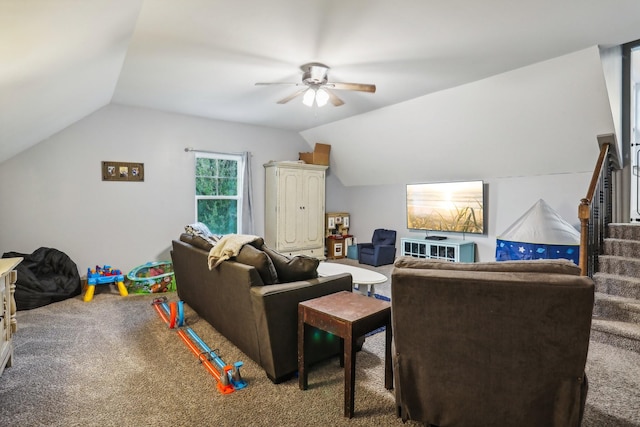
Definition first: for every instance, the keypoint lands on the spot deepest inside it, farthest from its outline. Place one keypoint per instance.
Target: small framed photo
(331, 222)
(122, 171)
(345, 221)
(338, 220)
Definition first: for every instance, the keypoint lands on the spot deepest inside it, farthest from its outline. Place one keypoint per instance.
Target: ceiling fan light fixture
(322, 97)
(309, 97)
(316, 87)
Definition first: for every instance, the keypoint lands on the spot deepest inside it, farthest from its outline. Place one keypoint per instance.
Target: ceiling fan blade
(293, 95)
(362, 87)
(334, 98)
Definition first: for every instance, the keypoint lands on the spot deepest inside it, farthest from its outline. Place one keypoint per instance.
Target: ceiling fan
(317, 88)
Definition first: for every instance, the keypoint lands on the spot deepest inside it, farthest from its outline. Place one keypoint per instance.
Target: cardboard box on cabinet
(319, 156)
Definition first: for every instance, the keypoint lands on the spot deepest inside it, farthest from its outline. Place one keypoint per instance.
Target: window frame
(239, 184)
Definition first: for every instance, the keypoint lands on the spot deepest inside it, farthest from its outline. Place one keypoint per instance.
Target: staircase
(616, 313)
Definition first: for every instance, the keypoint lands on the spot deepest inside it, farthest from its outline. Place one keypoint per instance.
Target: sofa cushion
(249, 255)
(291, 269)
(558, 266)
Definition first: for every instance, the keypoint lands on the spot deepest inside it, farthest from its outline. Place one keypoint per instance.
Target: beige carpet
(113, 362)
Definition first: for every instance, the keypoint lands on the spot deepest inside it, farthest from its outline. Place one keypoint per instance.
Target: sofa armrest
(301, 289)
(275, 308)
(557, 266)
(385, 249)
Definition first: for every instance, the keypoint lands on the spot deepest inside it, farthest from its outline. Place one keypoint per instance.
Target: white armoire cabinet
(294, 208)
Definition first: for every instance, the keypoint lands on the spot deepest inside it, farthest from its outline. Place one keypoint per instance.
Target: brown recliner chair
(491, 344)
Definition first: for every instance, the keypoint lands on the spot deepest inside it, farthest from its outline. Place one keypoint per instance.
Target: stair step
(622, 266)
(624, 231)
(614, 284)
(620, 334)
(617, 308)
(622, 247)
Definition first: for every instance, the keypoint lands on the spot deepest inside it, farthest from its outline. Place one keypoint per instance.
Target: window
(219, 192)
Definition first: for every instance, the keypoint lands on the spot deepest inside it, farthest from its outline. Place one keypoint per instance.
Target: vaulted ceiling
(61, 60)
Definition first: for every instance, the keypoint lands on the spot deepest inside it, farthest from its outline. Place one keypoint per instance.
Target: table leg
(349, 375)
(88, 295)
(372, 291)
(302, 369)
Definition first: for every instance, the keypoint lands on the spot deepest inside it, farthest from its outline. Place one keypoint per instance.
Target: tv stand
(436, 238)
(451, 249)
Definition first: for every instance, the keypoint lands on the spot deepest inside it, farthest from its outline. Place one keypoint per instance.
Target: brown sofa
(261, 320)
(491, 344)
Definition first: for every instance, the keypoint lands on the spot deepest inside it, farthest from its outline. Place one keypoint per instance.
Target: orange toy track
(223, 388)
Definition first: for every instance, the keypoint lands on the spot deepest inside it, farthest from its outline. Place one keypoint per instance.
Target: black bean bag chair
(45, 276)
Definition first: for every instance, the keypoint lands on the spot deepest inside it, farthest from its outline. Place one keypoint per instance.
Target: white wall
(507, 199)
(611, 58)
(529, 134)
(537, 120)
(53, 194)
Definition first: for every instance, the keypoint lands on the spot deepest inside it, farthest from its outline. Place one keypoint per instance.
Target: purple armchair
(381, 250)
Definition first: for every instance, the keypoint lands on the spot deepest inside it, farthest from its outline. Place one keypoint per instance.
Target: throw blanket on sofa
(229, 246)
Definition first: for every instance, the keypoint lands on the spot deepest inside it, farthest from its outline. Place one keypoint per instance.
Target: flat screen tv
(456, 207)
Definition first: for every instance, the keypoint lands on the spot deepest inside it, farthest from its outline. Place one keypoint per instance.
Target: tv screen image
(446, 206)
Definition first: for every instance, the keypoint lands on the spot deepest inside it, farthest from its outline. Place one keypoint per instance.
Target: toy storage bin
(152, 277)
(352, 252)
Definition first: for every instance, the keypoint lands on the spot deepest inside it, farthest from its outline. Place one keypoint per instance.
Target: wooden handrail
(584, 212)
(584, 209)
(604, 152)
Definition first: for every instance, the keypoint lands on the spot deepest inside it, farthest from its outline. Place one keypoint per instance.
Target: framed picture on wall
(122, 171)
(331, 222)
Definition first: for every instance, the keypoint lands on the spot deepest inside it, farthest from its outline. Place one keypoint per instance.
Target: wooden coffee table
(347, 315)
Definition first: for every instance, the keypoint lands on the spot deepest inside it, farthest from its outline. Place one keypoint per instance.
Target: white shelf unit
(453, 250)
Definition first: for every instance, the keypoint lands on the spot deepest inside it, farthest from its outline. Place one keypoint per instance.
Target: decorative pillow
(292, 269)
(200, 230)
(197, 241)
(558, 266)
(258, 243)
(249, 255)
